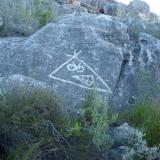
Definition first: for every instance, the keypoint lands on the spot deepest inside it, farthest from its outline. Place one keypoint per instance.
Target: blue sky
(154, 5)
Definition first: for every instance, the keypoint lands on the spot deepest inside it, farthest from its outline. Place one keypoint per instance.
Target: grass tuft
(146, 117)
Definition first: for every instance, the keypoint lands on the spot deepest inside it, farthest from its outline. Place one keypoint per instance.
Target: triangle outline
(51, 75)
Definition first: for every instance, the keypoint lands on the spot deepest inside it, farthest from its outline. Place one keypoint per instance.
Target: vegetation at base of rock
(44, 16)
(35, 125)
(146, 84)
(146, 117)
(97, 119)
(22, 18)
(149, 28)
(140, 151)
(30, 123)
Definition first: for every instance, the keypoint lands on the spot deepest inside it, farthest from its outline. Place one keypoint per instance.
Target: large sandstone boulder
(140, 9)
(24, 17)
(108, 7)
(115, 9)
(16, 17)
(72, 55)
(136, 26)
(1, 22)
(141, 80)
(122, 135)
(80, 50)
(139, 6)
(149, 69)
(11, 83)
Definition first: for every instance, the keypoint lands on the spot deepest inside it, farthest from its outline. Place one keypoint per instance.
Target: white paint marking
(82, 86)
(86, 79)
(73, 67)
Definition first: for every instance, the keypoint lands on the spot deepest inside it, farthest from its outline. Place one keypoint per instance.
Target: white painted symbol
(73, 67)
(86, 79)
(80, 74)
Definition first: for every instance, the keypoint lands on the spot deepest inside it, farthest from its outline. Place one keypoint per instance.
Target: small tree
(97, 119)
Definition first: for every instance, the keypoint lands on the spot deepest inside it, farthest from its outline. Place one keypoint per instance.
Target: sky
(154, 5)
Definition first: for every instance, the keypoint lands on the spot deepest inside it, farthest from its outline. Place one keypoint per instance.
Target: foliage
(27, 19)
(24, 18)
(146, 86)
(46, 15)
(140, 150)
(96, 117)
(30, 121)
(146, 117)
(74, 130)
(37, 126)
(149, 28)
(157, 34)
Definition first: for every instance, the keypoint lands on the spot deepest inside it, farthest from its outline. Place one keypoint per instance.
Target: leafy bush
(30, 121)
(147, 88)
(46, 15)
(97, 120)
(35, 125)
(149, 28)
(145, 116)
(140, 150)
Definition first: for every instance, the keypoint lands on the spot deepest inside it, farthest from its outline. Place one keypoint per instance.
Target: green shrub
(44, 18)
(46, 15)
(37, 126)
(96, 118)
(140, 151)
(147, 88)
(31, 121)
(146, 117)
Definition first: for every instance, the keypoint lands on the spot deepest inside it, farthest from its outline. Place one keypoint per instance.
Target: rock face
(108, 7)
(17, 17)
(80, 50)
(27, 16)
(23, 18)
(1, 22)
(139, 6)
(122, 135)
(149, 66)
(71, 55)
(10, 83)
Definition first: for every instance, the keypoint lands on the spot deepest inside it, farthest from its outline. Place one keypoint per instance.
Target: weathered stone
(11, 83)
(96, 4)
(141, 80)
(139, 10)
(118, 153)
(27, 16)
(149, 69)
(17, 16)
(150, 50)
(61, 10)
(1, 22)
(71, 55)
(105, 50)
(115, 9)
(122, 135)
(136, 26)
(139, 6)
(108, 7)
